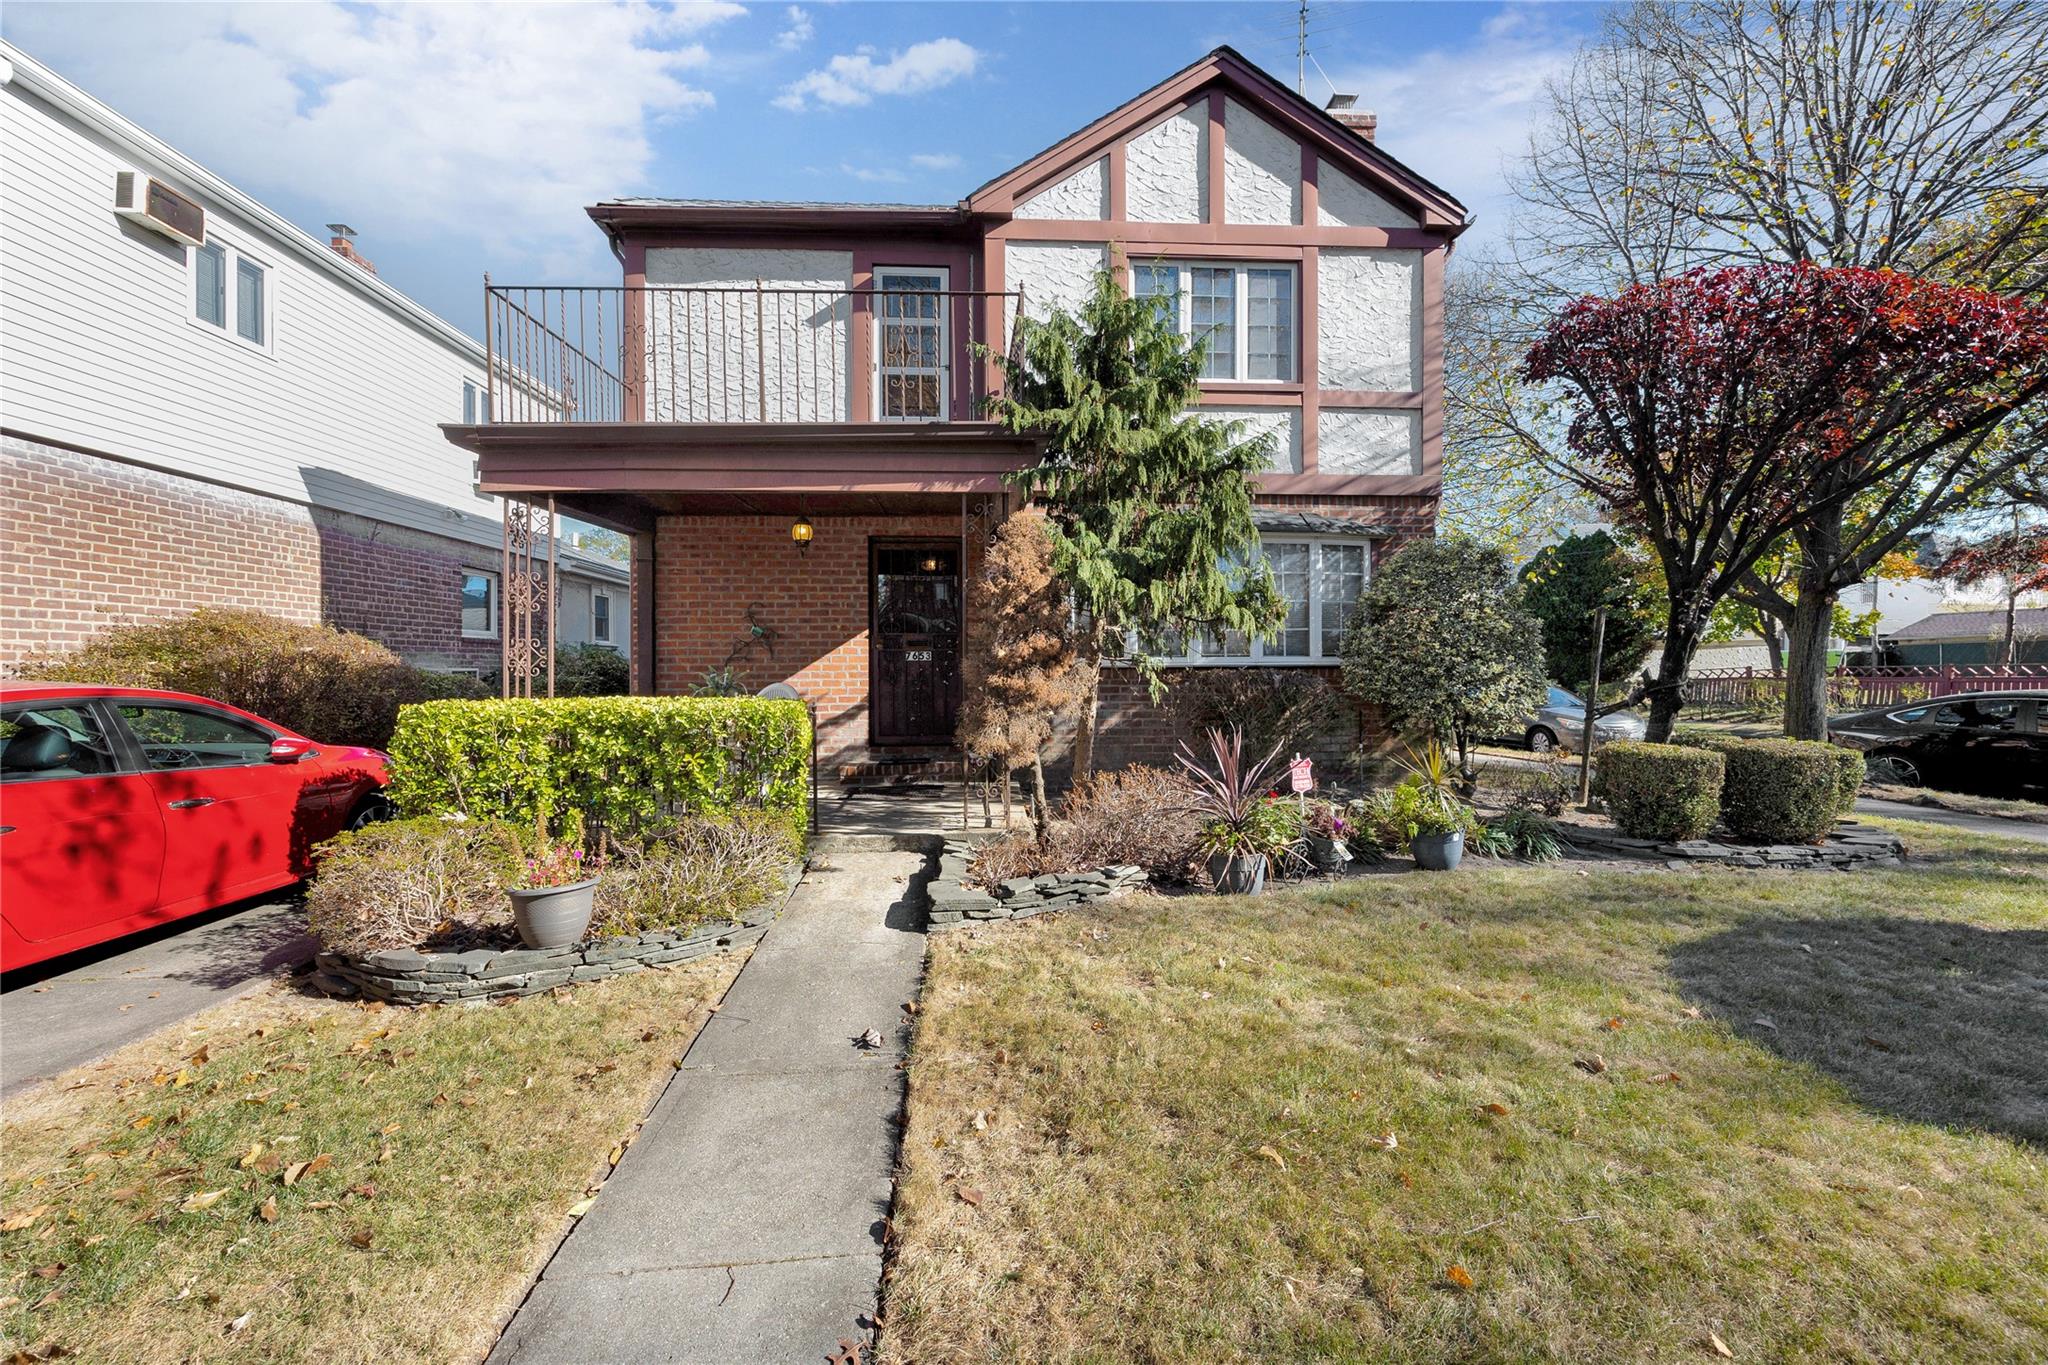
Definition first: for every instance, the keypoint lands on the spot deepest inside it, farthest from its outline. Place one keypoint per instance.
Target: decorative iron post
(527, 595)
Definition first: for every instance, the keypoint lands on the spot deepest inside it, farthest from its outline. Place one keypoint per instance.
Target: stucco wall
(1051, 274)
(1083, 195)
(1283, 424)
(1343, 201)
(1261, 170)
(1368, 441)
(1166, 169)
(1369, 319)
(727, 357)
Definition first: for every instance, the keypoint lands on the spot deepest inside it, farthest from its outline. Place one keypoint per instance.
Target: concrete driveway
(57, 1015)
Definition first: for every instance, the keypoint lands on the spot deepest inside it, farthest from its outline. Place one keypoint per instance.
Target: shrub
(1851, 768)
(1781, 790)
(322, 682)
(1659, 791)
(1548, 784)
(627, 764)
(1521, 834)
(1287, 709)
(696, 871)
(1411, 809)
(409, 883)
(591, 671)
(1139, 815)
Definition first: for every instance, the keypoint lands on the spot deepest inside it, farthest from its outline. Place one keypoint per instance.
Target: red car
(122, 808)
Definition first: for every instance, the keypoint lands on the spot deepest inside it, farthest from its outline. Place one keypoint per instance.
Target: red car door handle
(192, 802)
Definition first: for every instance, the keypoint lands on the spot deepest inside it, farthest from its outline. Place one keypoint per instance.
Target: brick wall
(710, 569)
(87, 543)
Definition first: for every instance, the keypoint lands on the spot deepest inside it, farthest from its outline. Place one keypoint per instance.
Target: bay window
(1245, 312)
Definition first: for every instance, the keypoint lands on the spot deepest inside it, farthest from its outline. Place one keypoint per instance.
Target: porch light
(801, 532)
(930, 564)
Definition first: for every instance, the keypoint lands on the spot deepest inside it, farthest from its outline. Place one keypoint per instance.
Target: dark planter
(1238, 874)
(1438, 852)
(1327, 855)
(553, 916)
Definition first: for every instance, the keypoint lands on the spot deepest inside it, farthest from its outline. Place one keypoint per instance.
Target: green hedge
(1659, 791)
(623, 763)
(1783, 790)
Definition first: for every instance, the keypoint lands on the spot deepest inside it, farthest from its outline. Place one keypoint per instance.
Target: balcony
(763, 354)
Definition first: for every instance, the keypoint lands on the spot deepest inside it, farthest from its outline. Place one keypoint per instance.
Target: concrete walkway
(746, 1223)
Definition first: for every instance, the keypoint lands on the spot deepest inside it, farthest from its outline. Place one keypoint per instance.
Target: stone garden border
(1848, 848)
(949, 901)
(407, 977)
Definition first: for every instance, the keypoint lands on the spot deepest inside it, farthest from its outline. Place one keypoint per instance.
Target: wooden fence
(1854, 689)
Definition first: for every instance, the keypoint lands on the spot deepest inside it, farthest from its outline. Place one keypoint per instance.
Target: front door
(914, 630)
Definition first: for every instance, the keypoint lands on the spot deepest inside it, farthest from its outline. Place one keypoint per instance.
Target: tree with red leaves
(1719, 411)
(2016, 559)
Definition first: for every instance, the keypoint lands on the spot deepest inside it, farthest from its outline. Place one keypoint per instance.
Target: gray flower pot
(1438, 852)
(1238, 874)
(553, 916)
(1327, 855)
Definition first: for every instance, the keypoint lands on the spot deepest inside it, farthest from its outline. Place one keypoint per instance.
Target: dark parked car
(1990, 743)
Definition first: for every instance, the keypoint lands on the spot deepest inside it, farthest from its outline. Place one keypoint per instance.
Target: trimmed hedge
(1782, 791)
(1850, 770)
(625, 764)
(1659, 791)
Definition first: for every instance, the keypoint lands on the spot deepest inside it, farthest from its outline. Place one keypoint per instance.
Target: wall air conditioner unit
(158, 207)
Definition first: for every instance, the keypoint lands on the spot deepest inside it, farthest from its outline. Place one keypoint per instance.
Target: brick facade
(92, 543)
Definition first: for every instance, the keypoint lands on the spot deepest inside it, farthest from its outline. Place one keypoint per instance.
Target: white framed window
(1320, 579)
(231, 293)
(601, 617)
(911, 369)
(479, 605)
(1247, 311)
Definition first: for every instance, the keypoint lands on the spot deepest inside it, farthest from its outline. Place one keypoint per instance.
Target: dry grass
(1812, 1121)
(456, 1140)
(1999, 807)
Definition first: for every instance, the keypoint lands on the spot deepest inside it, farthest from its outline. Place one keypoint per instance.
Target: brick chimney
(343, 240)
(1344, 109)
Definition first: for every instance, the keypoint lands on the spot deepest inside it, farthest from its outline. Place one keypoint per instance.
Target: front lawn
(289, 1178)
(1503, 1114)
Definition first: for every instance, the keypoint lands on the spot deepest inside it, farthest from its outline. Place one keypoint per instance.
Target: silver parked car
(1561, 719)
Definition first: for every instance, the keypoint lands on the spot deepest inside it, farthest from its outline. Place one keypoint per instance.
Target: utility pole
(1592, 700)
(1301, 51)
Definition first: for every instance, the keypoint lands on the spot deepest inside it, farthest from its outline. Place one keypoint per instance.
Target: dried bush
(1139, 815)
(696, 871)
(1277, 708)
(409, 883)
(1547, 785)
(319, 681)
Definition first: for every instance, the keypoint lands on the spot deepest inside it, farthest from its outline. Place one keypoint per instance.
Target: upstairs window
(231, 293)
(210, 284)
(1246, 313)
(251, 322)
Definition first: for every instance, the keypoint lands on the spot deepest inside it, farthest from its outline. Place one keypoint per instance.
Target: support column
(641, 592)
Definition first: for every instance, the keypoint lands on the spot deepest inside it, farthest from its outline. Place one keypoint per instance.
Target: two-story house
(202, 405)
(782, 405)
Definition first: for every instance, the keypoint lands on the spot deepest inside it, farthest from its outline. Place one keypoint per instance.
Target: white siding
(1052, 274)
(1369, 319)
(1344, 201)
(1082, 195)
(711, 359)
(1261, 170)
(1282, 424)
(1166, 169)
(100, 350)
(1368, 441)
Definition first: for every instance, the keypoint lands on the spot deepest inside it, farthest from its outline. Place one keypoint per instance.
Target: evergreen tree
(1566, 583)
(1148, 505)
(1019, 672)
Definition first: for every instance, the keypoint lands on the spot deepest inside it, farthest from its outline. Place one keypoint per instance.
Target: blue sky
(461, 138)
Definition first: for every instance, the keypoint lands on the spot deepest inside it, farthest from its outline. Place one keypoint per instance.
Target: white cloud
(797, 29)
(873, 175)
(855, 78)
(935, 161)
(419, 122)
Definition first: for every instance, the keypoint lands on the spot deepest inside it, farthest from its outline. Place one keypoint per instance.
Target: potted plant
(1242, 830)
(551, 906)
(1424, 812)
(1329, 831)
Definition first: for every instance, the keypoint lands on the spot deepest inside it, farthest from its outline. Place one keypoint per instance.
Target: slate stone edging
(406, 977)
(1849, 847)
(949, 901)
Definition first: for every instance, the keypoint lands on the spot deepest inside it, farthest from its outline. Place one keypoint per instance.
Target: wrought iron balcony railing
(758, 353)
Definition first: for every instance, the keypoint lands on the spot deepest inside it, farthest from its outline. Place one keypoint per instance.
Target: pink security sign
(1301, 775)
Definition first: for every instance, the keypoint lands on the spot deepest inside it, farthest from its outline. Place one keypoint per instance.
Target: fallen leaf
(872, 1038)
(318, 1164)
(613, 1157)
(1497, 1109)
(580, 1207)
(267, 1210)
(294, 1171)
(910, 1007)
(323, 1204)
(388, 1129)
(1691, 1012)
(249, 1157)
(1719, 1347)
(968, 1196)
(25, 1218)
(1386, 1142)
(981, 1120)
(49, 1272)
(1273, 1156)
(1666, 1078)
(1002, 1055)
(1592, 1066)
(269, 1163)
(363, 1191)
(201, 1057)
(360, 1239)
(1880, 1044)
(1612, 1024)
(1762, 1021)
(384, 1153)
(239, 1323)
(1459, 1276)
(194, 1203)
(143, 1121)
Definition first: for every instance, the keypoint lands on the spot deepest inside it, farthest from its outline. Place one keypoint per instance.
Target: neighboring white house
(228, 411)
